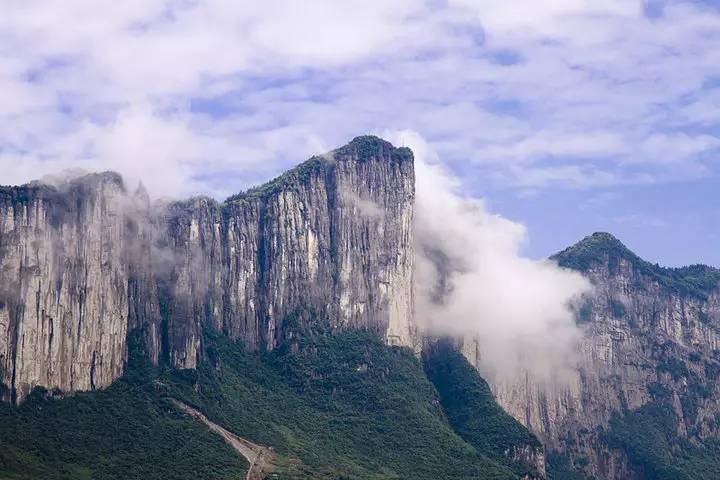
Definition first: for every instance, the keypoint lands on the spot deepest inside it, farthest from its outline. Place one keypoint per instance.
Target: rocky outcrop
(84, 263)
(650, 335)
(63, 285)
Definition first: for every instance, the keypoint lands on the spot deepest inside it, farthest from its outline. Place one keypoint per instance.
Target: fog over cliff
(472, 281)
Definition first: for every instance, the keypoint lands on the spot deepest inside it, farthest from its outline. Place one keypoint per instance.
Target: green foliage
(346, 405)
(712, 370)
(367, 147)
(288, 180)
(649, 438)
(695, 280)
(125, 432)
(23, 194)
(674, 366)
(658, 391)
(584, 313)
(560, 467)
(334, 406)
(471, 408)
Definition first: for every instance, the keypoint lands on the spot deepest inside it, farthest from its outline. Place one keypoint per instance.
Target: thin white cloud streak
(472, 283)
(560, 20)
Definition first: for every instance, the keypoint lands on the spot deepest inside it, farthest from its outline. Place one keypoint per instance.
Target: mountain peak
(362, 149)
(366, 147)
(604, 248)
(602, 237)
(594, 249)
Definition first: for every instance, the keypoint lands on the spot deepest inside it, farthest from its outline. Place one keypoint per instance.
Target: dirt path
(261, 459)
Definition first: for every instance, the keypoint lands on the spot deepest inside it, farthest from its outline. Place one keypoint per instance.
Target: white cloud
(473, 283)
(641, 220)
(574, 20)
(529, 148)
(592, 93)
(676, 148)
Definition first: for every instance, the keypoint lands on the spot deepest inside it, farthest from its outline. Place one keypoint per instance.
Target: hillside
(645, 403)
(332, 406)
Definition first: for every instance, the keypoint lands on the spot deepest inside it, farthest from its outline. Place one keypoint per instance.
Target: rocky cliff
(85, 262)
(85, 266)
(63, 285)
(651, 338)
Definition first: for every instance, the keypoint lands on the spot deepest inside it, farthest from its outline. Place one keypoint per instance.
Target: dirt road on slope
(261, 459)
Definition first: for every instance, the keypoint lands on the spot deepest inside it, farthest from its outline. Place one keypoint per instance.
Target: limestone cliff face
(333, 236)
(650, 335)
(85, 263)
(63, 286)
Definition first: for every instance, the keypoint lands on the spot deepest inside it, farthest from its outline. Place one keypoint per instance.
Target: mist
(472, 283)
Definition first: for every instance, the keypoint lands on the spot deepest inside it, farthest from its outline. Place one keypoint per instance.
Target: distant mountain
(695, 280)
(85, 262)
(646, 400)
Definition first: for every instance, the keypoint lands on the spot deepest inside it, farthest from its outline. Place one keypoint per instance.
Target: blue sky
(569, 116)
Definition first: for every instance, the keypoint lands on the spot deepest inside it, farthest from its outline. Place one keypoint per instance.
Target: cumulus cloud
(473, 283)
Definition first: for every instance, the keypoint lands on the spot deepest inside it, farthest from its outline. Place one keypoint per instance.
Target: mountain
(645, 403)
(85, 262)
(283, 318)
(283, 314)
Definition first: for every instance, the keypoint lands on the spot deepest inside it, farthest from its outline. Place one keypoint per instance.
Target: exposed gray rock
(63, 281)
(650, 334)
(82, 264)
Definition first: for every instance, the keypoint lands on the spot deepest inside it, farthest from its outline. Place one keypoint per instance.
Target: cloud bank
(472, 282)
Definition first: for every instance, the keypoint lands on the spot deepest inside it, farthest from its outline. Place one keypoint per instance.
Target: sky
(568, 116)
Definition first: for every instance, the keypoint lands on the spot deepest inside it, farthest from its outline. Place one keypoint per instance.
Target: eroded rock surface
(650, 335)
(85, 262)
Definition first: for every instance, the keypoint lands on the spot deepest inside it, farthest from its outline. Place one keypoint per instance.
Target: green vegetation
(617, 308)
(471, 409)
(584, 313)
(712, 370)
(649, 437)
(695, 280)
(560, 467)
(334, 406)
(125, 432)
(367, 147)
(674, 366)
(290, 179)
(346, 405)
(25, 193)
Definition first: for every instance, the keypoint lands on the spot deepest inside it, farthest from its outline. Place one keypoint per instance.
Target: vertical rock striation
(85, 263)
(651, 335)
(63, 285)
(332, 237)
